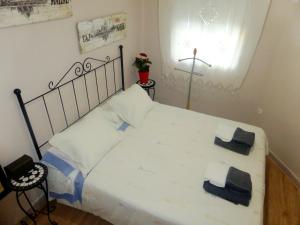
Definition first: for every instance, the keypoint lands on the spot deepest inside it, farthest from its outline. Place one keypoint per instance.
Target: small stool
(148, 86)
(32, 179)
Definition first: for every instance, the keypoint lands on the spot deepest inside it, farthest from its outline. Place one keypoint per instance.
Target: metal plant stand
(148, 86)
(35, 178)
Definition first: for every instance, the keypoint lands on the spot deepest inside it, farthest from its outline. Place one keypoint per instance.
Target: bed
(154, 175)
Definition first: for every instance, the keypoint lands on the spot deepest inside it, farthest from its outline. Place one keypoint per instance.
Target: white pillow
(132, 105)
(86, 142)
(110, 115)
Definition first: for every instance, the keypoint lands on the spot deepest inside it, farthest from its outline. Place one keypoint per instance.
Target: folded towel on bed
(225, 132)
(242, 141)
(227, 194)
(65, 173)
(239, 181)
(216, 174)
(238, 187)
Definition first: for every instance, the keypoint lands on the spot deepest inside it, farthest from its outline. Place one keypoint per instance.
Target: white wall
(33, 55)
(272, 82)
(280, 97)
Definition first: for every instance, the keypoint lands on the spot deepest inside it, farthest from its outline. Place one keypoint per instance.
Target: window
(225, 33)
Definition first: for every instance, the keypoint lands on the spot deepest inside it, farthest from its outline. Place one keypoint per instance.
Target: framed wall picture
(4, 190)
(101, 31)
(17, 12)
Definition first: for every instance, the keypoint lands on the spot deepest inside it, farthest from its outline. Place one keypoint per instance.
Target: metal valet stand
(192, 72)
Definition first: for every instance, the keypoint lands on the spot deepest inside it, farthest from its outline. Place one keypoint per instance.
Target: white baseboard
(286, 167)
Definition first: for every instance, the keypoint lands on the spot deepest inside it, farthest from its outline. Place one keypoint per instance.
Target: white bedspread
(155, 175)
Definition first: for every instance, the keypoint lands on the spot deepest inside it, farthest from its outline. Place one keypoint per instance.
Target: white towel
(225, 132)
(216, 173)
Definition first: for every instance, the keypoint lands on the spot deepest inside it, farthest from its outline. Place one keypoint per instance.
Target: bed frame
(80, 70)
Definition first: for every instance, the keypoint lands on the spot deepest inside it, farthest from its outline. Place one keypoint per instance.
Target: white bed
(154, 176)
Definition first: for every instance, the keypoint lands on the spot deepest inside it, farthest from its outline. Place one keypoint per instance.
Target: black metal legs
(153, 94)
(148, 92)
(30, 216)
(35, 213)
(153, 90)
(45, 190)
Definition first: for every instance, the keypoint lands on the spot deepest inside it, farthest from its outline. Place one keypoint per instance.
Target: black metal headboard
(81, 71)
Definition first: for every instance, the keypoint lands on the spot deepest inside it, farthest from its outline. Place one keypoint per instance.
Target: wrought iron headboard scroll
(80, 70)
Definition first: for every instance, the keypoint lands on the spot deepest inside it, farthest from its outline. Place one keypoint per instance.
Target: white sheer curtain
(225, 32)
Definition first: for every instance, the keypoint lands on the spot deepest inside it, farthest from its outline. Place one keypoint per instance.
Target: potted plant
(143, 63)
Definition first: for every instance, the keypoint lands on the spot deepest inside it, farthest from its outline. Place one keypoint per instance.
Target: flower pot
(144, 77)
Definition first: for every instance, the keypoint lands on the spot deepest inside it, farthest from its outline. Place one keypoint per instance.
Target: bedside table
(148, 86)
(32, 179)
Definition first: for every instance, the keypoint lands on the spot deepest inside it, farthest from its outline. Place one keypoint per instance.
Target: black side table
(148, 86)
(32, 179)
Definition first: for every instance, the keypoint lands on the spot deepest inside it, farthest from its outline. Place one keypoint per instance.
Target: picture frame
(4, 189)
(17, 12)
(102, 31)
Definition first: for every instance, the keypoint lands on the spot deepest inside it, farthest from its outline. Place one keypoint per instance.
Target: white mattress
(155, 175)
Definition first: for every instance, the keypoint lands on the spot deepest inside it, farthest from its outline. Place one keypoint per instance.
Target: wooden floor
(282, 203)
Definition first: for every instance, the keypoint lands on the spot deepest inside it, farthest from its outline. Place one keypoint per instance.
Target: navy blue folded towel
(241, 143)
(239, 181)
(238, 188)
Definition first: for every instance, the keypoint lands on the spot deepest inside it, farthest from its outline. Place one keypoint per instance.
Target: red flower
(143, 55)
(142, 62)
